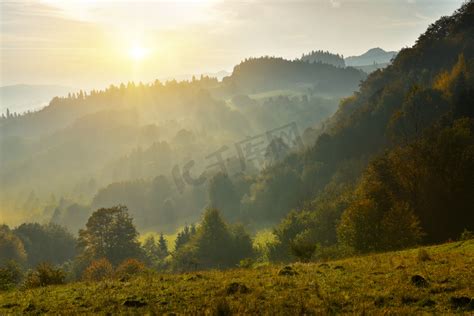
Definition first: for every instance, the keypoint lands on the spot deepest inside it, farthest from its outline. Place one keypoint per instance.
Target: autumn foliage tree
(111, 234)
(418, 192)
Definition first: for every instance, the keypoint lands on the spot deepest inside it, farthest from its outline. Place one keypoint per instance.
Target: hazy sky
(89, 43)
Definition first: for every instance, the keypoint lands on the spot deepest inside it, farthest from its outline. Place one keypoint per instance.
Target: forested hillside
(257, 74)
(112, 187)
(317, 185)
(130, 144)
(395, 164)
(23, 98)
(122, 145)
(324, 57)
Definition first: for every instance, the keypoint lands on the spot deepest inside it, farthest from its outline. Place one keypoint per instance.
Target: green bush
(303, 246)
(288, 245)
(246, 263)
(332, 252)
(45, 274)
(10, 275)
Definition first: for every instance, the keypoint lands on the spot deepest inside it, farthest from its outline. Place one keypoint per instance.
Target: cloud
(82, 40)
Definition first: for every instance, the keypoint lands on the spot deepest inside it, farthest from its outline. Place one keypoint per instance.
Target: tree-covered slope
(403, 141)
(269, 73)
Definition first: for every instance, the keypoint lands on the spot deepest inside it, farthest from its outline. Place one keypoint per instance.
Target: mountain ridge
(373, 56)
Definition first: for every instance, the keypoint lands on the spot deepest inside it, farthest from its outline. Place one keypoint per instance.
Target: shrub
(246, 263)
(98, 270)
(360, 226)
(333, 252)
(423, 255)
(367, 226)
(11, 247)
(288, 244)
(69, 270)
(45, 274)
(221, 307)
(303, 246)
(129, 268)
(400, 228)
(466, 235)
(10, 275)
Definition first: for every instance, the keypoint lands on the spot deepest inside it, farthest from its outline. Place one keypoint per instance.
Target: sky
(87, 44)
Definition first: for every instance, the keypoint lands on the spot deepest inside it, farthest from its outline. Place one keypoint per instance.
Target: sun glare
(137, 52)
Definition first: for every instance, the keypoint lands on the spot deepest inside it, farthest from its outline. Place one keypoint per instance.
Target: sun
(138, 52)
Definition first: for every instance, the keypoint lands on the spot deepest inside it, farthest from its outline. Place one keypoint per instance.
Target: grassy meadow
(428, 280)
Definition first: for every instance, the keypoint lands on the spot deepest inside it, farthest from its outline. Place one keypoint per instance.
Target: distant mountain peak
(374, 55)
(376, 50)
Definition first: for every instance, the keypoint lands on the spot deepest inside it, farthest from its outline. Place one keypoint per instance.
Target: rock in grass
(407, 299)
(427, 303)
(30, 308)
(442, 289)
(221, 307)
(462, 302)
(287, 271)
(134, 302)
(10, 305)
(236, 287)
(419, 281)
(194, 277)
(379, 301)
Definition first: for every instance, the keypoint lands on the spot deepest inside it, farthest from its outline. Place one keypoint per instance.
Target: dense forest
(124, 144)
(392, 167)
(325, 58)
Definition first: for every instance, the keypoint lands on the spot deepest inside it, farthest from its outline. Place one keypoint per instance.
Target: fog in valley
(217, 157)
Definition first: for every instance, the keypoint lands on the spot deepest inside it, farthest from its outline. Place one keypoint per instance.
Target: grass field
(438, 279)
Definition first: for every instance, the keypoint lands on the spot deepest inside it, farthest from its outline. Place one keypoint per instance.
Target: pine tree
(183, 237)
(163, 246)
(151, 248)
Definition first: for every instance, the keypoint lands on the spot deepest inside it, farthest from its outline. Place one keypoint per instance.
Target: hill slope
(372, 56)
(380, 283)
(427, 88)
(268, 73)
(21, 98)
